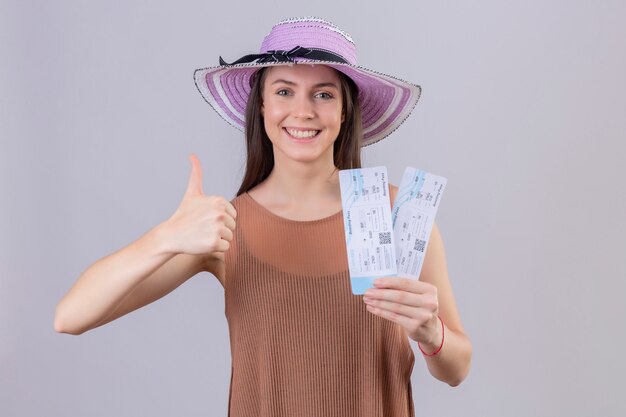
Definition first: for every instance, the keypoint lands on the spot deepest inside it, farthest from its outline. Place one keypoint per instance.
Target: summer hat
(385, 101)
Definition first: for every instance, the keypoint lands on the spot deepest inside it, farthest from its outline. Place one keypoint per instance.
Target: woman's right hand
(202, 225)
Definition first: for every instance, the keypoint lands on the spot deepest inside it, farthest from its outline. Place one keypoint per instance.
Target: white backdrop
(523, 110)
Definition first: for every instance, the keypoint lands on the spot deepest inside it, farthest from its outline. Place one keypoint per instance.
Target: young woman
(301, 342)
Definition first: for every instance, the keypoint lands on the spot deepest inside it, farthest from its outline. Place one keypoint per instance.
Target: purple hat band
(385, 101)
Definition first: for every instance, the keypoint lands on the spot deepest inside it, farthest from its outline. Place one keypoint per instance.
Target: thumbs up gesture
(202, 224)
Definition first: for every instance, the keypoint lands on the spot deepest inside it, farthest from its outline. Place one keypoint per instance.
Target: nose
(303, 107)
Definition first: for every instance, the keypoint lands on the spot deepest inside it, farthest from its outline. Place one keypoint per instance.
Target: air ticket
(368, 226)
(384, 242)
(413, 214)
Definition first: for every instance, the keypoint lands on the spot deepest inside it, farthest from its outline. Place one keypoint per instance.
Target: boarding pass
(413, 216)
(377, 239)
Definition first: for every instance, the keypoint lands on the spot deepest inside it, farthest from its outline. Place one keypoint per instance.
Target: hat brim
(385, 101)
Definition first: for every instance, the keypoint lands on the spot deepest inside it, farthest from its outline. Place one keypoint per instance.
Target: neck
(296, 183)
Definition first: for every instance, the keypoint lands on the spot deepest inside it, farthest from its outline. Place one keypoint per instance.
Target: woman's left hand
(408, 302)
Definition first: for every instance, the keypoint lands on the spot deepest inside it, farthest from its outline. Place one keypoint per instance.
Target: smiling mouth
(301, 134)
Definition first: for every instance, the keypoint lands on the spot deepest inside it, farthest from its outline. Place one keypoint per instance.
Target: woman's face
(302, 111)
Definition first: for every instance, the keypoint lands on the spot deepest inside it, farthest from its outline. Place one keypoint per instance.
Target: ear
(343, 116)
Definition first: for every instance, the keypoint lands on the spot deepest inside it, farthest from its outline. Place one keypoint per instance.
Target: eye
(324, 95)
(283, 92)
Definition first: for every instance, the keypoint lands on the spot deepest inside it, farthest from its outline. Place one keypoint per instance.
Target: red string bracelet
(443, 337)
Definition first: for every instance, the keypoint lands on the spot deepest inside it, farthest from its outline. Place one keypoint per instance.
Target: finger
(231, 209)
(396, 296)
(404, 321)
(226, 234)
(194, 186)
(406, 284)
(222, 246)
(402, 309)
(229, 222)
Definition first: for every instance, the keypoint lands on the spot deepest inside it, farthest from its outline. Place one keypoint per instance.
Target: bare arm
(191, 241)
(417, 305)
(452, 364)
(124, 281)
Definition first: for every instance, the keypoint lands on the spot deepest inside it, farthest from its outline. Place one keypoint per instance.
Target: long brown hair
(260, 154)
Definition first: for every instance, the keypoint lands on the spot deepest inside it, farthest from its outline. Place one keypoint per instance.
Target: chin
(302, 155)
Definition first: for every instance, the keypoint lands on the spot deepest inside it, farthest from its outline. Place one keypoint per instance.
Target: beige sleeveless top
(301, 343)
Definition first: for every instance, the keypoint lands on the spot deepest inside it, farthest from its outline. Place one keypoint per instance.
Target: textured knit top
(301, 343)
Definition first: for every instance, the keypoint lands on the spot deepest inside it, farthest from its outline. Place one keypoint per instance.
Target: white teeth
(302, 133)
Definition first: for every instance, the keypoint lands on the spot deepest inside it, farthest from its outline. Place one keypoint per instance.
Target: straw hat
(385, 101)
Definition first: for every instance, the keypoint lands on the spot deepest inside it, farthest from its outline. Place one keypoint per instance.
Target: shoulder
(235, 201)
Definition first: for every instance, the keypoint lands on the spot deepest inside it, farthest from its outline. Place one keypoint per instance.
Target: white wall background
(523, 110)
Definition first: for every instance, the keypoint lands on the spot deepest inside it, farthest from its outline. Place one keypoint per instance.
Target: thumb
(194, 187)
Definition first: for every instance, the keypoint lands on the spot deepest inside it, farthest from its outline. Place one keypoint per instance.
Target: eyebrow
(327, 84)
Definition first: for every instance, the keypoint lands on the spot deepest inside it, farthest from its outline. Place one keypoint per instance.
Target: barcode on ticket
(419, 245)
(384, 238)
